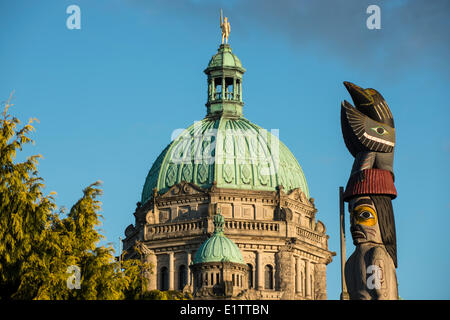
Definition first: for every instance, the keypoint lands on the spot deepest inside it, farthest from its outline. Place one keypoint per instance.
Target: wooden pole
(344, 293)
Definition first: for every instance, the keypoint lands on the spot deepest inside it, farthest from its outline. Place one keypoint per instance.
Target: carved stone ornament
(263, 174)
(303, 198)
(320, 227)
(228, 145)
(143, 248)
(171, 175)
(202, 172)
(187, 172)
(183, 188)
(150, 216)
(287, 214)
(228, 173)
(130, 230)
(298, 195)
(246, 173)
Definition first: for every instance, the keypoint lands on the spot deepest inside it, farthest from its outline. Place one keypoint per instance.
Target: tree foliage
(166, 295)
(39, 243)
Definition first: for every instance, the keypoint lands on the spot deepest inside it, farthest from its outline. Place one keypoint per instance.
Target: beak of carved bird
(359, 96)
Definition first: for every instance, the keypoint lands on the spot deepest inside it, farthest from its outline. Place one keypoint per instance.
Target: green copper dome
(225, 148)
(234, 153)
(225, 58)
(218, 248)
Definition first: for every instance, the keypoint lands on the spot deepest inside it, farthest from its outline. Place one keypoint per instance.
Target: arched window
(199, 280)
(268, 277)
(232, 279)
(164, 279)
(250, 275)
(229, 88)
(195, 280)
(182, 277)
(238, 89)
(218, 88)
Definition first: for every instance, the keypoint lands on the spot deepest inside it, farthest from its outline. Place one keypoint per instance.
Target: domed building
(225, 163)
(218, 269)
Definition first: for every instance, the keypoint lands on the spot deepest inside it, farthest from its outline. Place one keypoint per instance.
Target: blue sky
(109, 95)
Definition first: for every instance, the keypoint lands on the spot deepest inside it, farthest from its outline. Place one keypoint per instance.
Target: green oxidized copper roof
(225, 58)
(225, 148)
(218, 247)
(233, 152)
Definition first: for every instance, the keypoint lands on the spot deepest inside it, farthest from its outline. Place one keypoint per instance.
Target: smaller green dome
(225, 58)
(218, 248)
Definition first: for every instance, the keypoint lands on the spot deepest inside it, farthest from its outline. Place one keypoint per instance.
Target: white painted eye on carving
(380, 130)
(366, 215)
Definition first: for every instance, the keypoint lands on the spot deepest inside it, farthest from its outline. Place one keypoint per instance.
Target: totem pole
(369, 134)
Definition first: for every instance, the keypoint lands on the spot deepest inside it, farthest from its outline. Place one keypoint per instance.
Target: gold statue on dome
(225, 27)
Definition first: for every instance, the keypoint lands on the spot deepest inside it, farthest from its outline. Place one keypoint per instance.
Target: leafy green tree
(37, 245)
(165, 295)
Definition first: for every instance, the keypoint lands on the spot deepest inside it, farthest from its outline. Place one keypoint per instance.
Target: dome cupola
(218, 248)
(224, 73)
(225, 148)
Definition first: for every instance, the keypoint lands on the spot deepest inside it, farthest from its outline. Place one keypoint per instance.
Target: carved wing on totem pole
(368, 129)
(363, 134)
(369, 135)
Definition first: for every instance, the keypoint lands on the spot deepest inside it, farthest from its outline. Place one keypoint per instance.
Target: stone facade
(284, 248)
(219, 280)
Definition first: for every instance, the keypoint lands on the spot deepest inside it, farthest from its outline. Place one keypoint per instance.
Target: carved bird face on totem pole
(369, 125)
(364, 225)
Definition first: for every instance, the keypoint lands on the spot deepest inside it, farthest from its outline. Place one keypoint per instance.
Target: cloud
(412, 31)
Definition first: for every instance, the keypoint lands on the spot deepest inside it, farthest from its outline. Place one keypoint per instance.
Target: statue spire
(225, 27)
(218, 222)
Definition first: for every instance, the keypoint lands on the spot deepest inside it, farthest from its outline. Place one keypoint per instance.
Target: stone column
(152, 277)
(171, 271)
(151, 259)
(223, 88)
(298, 275)
(307, 280)
(259, 271)
(240, 90)
(188, 263)
(209, 90)
(285, 279)
(234, 88)
(302, 277)
(320, 281)
(311, 272)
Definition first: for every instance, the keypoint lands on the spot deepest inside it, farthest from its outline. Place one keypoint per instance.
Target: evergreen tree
(37, 246)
